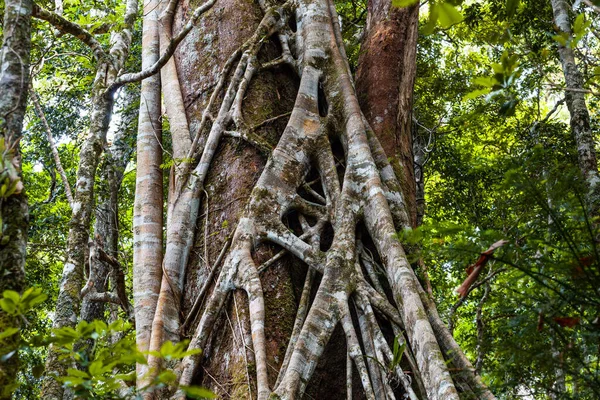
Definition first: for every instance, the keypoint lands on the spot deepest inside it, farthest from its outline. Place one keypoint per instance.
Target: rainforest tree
(273, 241)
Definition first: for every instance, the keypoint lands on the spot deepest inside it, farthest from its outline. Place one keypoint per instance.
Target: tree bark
(14, 81)
(358, 191)
(101, 274)
(69, 297)
(385, 82)
(580, 118)
(229, 182)
(148, 203)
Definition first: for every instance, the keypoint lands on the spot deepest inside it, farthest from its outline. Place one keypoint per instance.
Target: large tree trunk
(384, 84)
(233, 174)
(327, 196)
(385, 79)
(14, 81)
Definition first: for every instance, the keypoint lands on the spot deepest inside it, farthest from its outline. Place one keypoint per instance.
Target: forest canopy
(379, 199)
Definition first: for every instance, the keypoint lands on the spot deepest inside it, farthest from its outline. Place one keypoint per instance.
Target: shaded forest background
(494, 160)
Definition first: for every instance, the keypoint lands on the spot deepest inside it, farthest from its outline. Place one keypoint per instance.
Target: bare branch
(107, 297)
(59, 167)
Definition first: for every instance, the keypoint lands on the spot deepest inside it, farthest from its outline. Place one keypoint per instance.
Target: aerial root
(194, 310)
(373, 358)
(298, 323)
(356, 354)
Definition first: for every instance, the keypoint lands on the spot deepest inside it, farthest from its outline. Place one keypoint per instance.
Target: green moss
(239, 379)
(280, 306)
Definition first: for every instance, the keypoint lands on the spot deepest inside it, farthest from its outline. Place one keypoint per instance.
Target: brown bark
(384, 84)
(233, 173)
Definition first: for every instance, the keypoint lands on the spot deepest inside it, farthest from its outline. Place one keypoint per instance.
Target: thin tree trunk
(69, 296)
(101, 274)
(148, 203)
(61, 171)
(14, 81)
(109, 78)
(69, 299)
(580, 118)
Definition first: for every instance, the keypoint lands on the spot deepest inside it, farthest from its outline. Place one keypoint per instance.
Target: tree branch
(138, 76)
(59, 167)
(66, 26)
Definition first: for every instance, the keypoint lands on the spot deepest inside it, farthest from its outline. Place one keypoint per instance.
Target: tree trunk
(68, 303)
(385, 79)
(580, 118)
(14, 81)
(384, 84)
(327, 196)
(148, 203)
(104, 276)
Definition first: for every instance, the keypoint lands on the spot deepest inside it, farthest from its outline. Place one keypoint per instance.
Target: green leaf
(579, 24)
(474, 94)
(96, 368)
(196, 392)
(166, 376)
(78, 373)
(432, 20)
(131, 376)
(8, 332)
(190, 352)
(511, 8)
(167, 349)
(404, 3)
(38, 299)
(27, 293)
(448, 15)
(561, 39)
(8, 306)
(11, 294)
(65, 335)
(397, 353)
(486, 81)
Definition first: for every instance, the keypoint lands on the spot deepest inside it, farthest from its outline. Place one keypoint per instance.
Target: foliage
(501, 164)
(103, 355)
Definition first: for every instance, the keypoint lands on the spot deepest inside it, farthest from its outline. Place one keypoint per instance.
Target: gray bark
(14, 81)
(580, 118)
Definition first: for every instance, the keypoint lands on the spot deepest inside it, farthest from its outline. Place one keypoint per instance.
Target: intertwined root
(328, 135)
(357, 188)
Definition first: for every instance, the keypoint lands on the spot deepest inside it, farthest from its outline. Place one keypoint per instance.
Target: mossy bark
(14, 81)
(233, 173)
